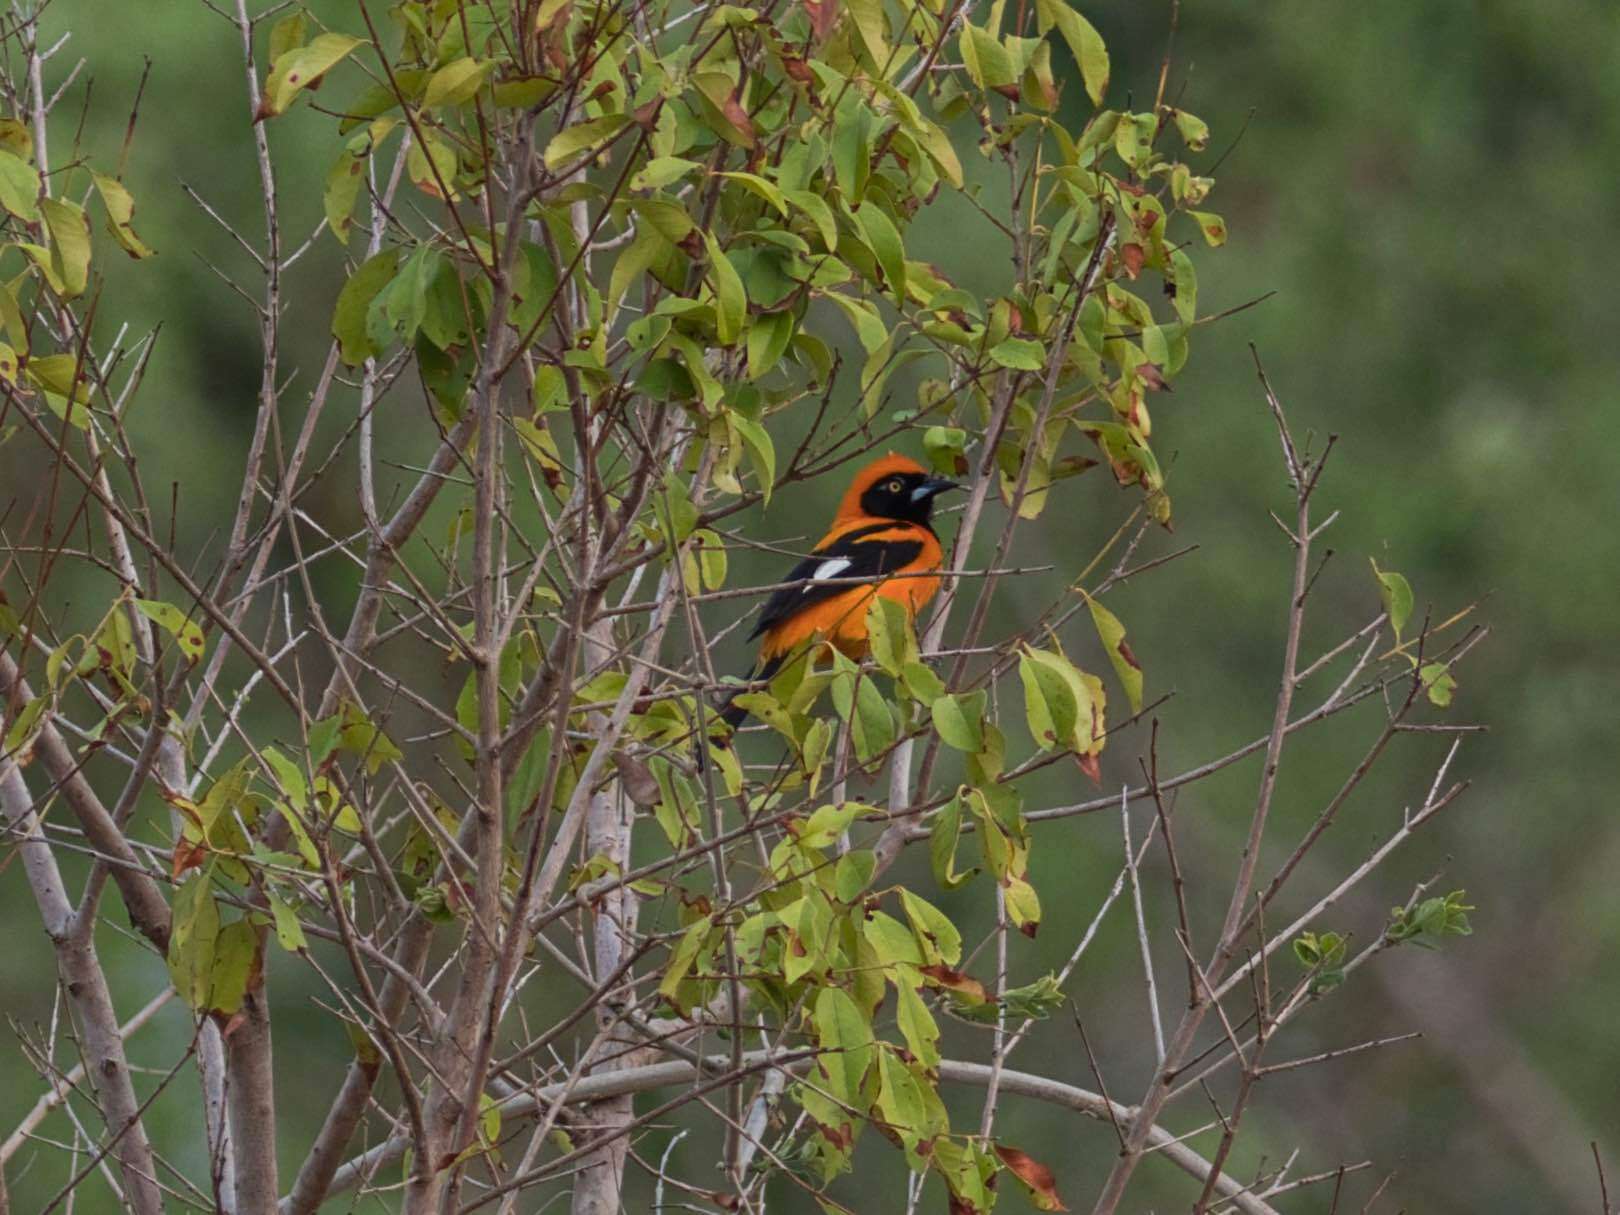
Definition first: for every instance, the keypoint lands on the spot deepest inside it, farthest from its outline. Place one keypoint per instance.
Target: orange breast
(842, 618)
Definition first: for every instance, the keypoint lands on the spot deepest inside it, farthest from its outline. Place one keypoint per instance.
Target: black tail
(734, 715)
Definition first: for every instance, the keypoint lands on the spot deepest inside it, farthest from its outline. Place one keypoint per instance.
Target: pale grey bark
(85, 983)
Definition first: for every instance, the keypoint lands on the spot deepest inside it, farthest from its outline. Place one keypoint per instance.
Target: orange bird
(882, 528)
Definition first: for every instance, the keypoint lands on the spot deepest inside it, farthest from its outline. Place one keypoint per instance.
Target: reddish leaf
(840, 1136)
(738, 117)
(646, 116)
(964, 985)
(823, 16)
(187, 855)
(798, 69)
(1133, 255)
(1089, 765)
(1152, 375)
(1036, 1177)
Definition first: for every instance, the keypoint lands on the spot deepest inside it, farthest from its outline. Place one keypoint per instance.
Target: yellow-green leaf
(297, 70)
(120, 210)
(186, 633)
(588, 136)
(19, 186)
(456, 82)
(1112, 634)
(1396, 593)
(1085, 44)
(193, 932)
(70, 244)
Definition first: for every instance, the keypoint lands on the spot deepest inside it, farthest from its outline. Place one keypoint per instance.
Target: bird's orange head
(893, 487)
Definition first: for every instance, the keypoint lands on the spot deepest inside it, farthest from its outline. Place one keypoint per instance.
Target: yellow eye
(895, 486)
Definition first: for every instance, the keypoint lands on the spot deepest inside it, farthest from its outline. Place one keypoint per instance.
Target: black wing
(867, 559)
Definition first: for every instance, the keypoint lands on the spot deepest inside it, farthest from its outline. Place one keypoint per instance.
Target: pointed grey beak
(932, 486)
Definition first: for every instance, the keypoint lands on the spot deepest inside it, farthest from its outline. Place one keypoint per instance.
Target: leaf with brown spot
(1034, 1175)
(962, 984)
(1132, 255)
(1089, 765)
(1152, 375)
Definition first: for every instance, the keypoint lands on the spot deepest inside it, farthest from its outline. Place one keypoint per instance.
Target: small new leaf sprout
(1430, 921)
(1322, 953)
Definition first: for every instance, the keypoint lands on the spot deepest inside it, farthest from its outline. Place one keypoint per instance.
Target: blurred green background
(1430, 190)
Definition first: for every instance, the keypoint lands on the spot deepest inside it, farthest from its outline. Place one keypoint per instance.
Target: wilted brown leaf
(1037, 1178)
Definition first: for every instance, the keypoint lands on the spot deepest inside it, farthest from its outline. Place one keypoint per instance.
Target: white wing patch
(829, 568)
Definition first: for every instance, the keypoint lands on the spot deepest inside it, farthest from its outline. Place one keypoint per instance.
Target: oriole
(882, 527)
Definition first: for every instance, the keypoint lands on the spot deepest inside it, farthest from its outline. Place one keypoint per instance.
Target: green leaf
(1023, 907)
(590, 135)
(959, 720)
(917, 1025)
(343, 182)
(723, 111)
(859, 702)
(758, 185)
(70, 244)
(236, 953)
(19, 186)
(827, 823)
(921, 682)
(25, 726)
(456, 82)
(286, 35)
(1085, 44)
(888, 631)
(187, 633)
(891, 940)
(731, 301)
(943, 834)
(900, 1099)
(817, 211)
(884, 240)
(289, 932)
(1061, 703)
(845, 1038)
(873, 29)
(120, 206)
(1033, 1001)
(1396, 593)
(938, 937)
(1194, 130)
(768, 339)
(1051, 699)
(986, 60)
(711, 558)
(937, 143)
(643, 252)
(354, 303)
(297, 69)
(761, 451)
(1019, 353)
(686, 953)
(661, 171)
(1112, 634)
(193, 931)
(1438, 684)
(868, 327)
